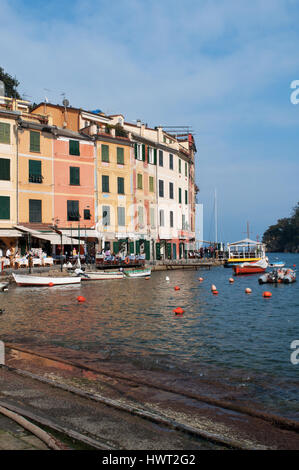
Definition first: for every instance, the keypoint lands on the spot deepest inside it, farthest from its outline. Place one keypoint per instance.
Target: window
(180, 196)
(5, 169)
(151, 184)
(160, 157)
(139, 181)
(106, 215)
(139, 151)
(140, 215)
(34, 141)
(87, 215)
(35, 210)
(4, 207)
(186, 169)
(120, 185)
(105, 153)
(151, 155)
(105, 184)
(183, 222)
(73, 210)
(161, 213)
(171, 218)
(180, 165)
(186, 197)
(74, 147)
(170, 190)
(170, 161)
(35, 171)
(120, 156)
(4, 133)
(121, 216)
(74, 175)
(161, 188)
(152, 217)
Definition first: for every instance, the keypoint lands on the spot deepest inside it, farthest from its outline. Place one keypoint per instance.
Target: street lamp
(59, 232)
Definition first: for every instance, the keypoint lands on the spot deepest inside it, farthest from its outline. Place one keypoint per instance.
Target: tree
(284, 236)
(10, 84)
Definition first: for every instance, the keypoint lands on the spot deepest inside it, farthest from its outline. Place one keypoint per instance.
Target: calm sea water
(245, 339)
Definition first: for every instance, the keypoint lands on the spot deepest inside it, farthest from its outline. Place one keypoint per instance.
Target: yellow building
(114, 190)
(35, 175)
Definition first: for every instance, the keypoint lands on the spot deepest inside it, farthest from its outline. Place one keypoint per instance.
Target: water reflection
(132, 320)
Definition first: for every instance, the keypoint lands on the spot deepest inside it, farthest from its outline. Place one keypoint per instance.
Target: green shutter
(105, 184)
(4, 207)
(105, 153)
(168, 250)
(35, 210)
(35, 171)
(155, 156)
(147, 249)
(120, 185)
(120, 156)
(5, 169)
(115, 247)
(74, 175)
(180, 196)
(143, 152)
(4, 133)
(151, 184)
(121, 219)
(131, 248)
(186, 197)
(158, 251)
(137, 247)
(74, 147)
(139, 181)
(136, 151)
(34, 141)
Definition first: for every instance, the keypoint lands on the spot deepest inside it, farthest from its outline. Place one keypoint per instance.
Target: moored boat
(3, 286)
(284, 275)
(277, 264)
(244, 251)
(29, 280)
(138, 273)
(251, 268)
(100, 275)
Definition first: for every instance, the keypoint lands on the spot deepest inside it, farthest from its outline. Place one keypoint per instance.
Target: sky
(222, 67)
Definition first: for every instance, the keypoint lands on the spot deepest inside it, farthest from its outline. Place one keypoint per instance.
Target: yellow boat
(245, 251)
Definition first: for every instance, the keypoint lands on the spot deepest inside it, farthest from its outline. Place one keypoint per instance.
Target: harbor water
(234, 338)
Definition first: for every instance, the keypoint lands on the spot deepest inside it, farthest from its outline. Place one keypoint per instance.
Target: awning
(88, 233)
(52, 237)
(7, 233)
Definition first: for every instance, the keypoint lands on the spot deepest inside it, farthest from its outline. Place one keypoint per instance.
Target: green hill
(284, 235)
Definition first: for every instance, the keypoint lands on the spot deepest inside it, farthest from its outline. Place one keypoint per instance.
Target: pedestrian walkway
(14, 437)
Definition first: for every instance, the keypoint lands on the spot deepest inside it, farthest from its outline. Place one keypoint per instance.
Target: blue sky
(222, 67)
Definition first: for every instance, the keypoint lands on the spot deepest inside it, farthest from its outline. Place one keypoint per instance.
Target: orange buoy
(215, 292)
(177, 288)
(178, 311)
(50, 284)
(231, 280)
(213, 287)
(200, 279)
(80, 298)
(267, 294)
(146, 278)
(248, 290)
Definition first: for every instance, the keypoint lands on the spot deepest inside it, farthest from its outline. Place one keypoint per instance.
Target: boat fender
(178, 311)
(127, 260)
(177, 288)
(80, 298)
(213, 287)
(248, 290)
(50, 284)
(231, 280)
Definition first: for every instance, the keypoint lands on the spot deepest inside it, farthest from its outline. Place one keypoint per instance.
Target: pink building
(74, 185)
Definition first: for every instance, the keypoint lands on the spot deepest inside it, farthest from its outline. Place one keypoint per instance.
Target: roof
(246, 241)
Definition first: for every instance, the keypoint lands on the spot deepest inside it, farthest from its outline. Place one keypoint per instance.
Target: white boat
(138, 273)
(277, 264)
(3, 286)
(101, 275)
(28, 280)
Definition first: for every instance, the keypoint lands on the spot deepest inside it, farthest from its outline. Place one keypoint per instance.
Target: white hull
(100, 276)
(28, 280)
(138, 273)
(3, 286)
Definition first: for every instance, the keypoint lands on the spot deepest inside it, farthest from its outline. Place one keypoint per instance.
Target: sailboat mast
(216, 223)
